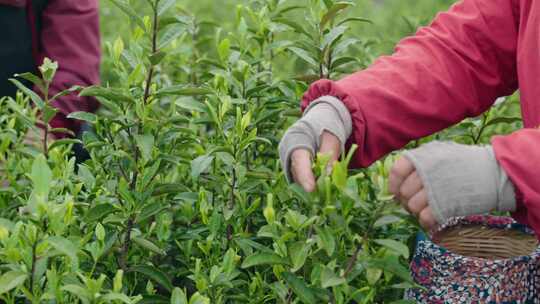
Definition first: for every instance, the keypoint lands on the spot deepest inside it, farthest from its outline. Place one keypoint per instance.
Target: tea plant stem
(478, 136)
(133, 182)
(373, 218)
(126, 244)
(289, 296)
(352, 261)
(329, 64)
(195, 55)
(272, 55)
(233, 185)
(148, 83)
(154, 50)
(33, 268)
(45, 141)
(229, 233)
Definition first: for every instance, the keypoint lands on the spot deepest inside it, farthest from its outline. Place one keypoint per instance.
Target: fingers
(399, 173)
(427, 219)
(301, 169)
(301, 161)
(405, 183)
(418, 203)
(330, 145)
(412, 185)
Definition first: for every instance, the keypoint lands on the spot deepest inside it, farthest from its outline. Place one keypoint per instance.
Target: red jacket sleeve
(70, 35)
(524, 171)
(453, 69)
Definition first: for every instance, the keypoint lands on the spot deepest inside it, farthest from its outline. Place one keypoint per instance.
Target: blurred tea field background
(392, 20)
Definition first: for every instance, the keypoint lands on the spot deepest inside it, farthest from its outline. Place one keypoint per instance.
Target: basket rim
(500, 222)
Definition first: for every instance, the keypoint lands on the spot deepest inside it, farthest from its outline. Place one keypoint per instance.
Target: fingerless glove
(462, 180)
(324, 114)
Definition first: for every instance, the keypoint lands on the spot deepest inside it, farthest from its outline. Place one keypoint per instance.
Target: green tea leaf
(11, 280)
(395, 246)
(503, 120)
(354, 19)
(197, 298)
(108, 93)
(299, 252)
(84, 116)
(200, 165)
(326, 239)
(154, 299)
(28, 92)
(263, 259)
(332, 13)
(155, 274)
(300, 288)
(156, 58)
(62, 131)
(295, 26)
(339, 175)
(164, 5)
(41, 176)
(304, 55)
(67, 92)
(224, 49)
(128, 10)
(178, 296)
(115, 296)
(386, 220)
(64, 142)
(391, 264)
(98, 212)
(333, 35)
(32, 78)
(342, 61)
(146, 244)
(172, 32)
(78, 291)
(330, 279)
(145, 143)
(66, 247)
(182, 90)
(373, 275)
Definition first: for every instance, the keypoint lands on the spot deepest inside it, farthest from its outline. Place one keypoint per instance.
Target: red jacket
(455, 68)
(70, 35)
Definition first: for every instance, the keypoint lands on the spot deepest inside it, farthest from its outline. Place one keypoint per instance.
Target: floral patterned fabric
(453, 278)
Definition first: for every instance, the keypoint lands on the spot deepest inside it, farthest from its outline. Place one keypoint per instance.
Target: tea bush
(183, 199)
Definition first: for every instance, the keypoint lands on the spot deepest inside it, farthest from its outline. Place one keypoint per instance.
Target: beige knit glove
(324, 114)
(462, 180)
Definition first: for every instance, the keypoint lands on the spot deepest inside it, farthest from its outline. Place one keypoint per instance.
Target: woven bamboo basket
(479, 259)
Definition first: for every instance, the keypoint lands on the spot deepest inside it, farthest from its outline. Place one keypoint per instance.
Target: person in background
(66, 31)
(455, 68)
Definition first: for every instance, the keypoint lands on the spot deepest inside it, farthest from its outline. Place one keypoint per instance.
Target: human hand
(324, 128)
(407, 186)
(301, 161)
(441, 180)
